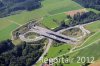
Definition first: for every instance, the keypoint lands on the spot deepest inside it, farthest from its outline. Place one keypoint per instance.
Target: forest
(95, 4)
(20, 55)
(7, 7)
(83, 18)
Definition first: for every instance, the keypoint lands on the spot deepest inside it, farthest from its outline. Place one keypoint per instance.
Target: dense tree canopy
(9, 6)
(20, 55)
(89, 3)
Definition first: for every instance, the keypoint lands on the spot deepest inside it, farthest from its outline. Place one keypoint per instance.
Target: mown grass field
(56, 51)
(54, 21)
(92, 38)
(91, 51)
(3, 24)
(93, 27)
(5, 33)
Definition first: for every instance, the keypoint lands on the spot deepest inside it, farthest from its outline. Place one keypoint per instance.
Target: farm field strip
(49, 20)
(63, 48)
(6, 32)
(13, 22)
(93, 27)
(79, 48)
(4, 24)
(91, 51)
(84, 52)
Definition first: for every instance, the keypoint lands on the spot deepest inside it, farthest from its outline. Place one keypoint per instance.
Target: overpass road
(51, 34)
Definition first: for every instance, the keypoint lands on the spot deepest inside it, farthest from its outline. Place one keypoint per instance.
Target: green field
(49, 7)
(53, 21)
(91, 51)
(56, 51)
(3, 24)
(94, 10)
(92, 38)
(6, 32)
(93, 27)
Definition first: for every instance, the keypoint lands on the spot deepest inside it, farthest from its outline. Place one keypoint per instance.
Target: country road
(46, 51)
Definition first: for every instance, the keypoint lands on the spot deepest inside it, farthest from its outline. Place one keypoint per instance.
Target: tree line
(83, 18)
(20, 55)
(77, 19)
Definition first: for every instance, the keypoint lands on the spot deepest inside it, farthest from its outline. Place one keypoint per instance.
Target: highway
(43, 32)
(51, 34)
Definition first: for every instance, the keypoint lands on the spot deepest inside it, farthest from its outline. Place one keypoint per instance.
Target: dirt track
(72, 13)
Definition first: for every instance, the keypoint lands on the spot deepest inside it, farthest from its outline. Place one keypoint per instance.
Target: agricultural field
(54, 21)
(94, 37)
(59, 50)
(93, 27)
(51, 15)
(49, 7)
(90, 51)
(6, 28)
